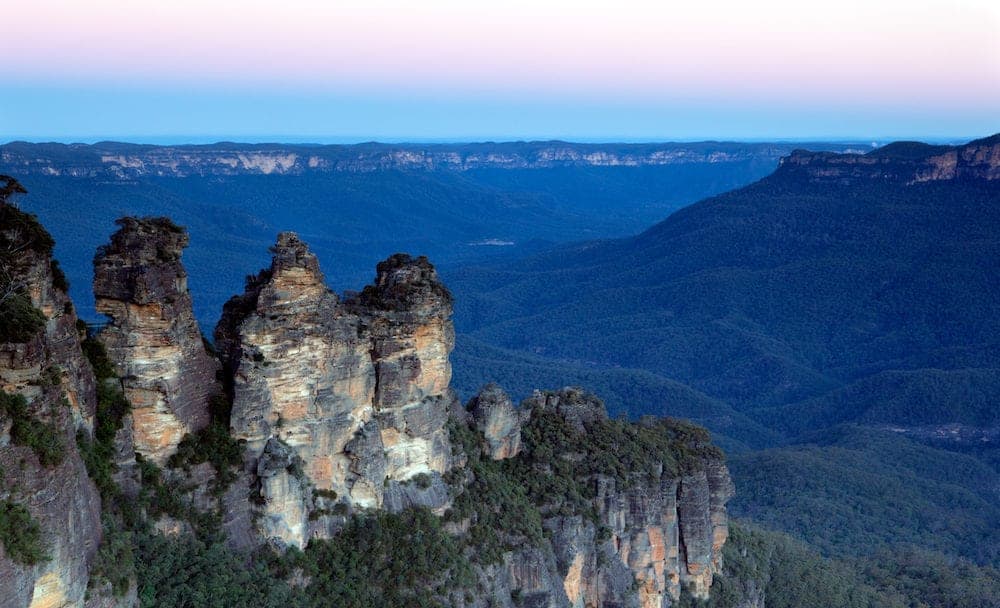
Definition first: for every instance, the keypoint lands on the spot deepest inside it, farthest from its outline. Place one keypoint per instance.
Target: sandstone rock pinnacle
(357, 391)
(152, 337)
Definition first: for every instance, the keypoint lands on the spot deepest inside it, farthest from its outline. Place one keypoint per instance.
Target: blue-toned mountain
(835, 268)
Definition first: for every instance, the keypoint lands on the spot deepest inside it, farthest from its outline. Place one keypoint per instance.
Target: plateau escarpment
(906, 162)
(152, 337)
(339, 402)
(360, 203)
(122, 162)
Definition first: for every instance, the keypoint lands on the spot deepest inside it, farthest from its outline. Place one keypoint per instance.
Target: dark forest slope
(833, 270)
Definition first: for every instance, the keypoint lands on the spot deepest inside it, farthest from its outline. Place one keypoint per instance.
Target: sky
(440, 70)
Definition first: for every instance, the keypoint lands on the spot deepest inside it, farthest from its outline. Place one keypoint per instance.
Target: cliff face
(665, 534)
(42, 470)
(340, 403)
(152, 338)
(639, 538)
(908, 162)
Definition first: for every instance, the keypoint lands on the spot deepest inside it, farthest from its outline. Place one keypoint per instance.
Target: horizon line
(325, 140)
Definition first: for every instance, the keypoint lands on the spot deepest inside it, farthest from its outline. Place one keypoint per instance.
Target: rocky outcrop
(355, 393)
(497, 419)
(152, 337)
(48, 369)
(907, 162)
(667, 532)
(650, 535)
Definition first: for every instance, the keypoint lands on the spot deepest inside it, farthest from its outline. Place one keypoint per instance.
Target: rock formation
(44, 473)
(496, 418)
(339, 401)
(653, 533)
(153, 338)
(341, 406)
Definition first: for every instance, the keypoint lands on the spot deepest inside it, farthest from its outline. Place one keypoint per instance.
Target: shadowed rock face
(495, 416)
(50, 371)
(357, 391)
(153, 338)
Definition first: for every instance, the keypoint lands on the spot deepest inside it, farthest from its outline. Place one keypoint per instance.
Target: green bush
(385, 559)
(98, 457)
(20, 534)
(22, 231)
(214, 445)
(502, 514)
(43, 438)
(95, 352)
(19, 320)
(176, 572)
(99, 454)
(379, 559)
(115, 559)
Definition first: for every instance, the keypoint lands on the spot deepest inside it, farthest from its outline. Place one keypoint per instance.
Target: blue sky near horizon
(386, 70)
(151, 116)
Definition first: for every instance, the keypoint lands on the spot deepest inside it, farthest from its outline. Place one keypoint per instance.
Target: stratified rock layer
(50, 371)
(354, 395)
(153, 338)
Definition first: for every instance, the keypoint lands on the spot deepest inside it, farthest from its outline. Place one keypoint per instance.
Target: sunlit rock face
(51, 373)
(407, 317)
(152, 338)
(356, 392)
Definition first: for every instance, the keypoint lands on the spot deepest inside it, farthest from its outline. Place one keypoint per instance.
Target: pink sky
(929, 55)
(650, 49)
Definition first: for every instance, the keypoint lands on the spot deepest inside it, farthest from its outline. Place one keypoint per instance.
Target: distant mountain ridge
(907, 161)
(357, 204)
(125, 161)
